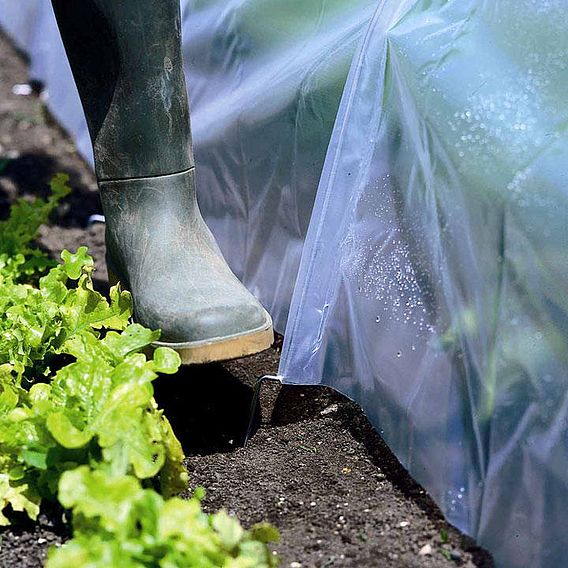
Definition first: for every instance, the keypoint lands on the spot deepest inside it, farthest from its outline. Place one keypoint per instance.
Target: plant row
(79, 423)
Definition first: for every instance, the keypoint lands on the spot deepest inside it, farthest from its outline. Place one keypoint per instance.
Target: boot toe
(207, 323)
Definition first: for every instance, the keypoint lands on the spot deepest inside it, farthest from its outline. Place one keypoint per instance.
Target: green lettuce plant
(78, 421)
(98, 409)
(119, 524)
(19, 259)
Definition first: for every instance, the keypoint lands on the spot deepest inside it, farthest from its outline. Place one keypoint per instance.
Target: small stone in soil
(330, 410)
(426, 550)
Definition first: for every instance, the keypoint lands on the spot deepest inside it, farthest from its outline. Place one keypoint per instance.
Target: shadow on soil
(208, 408)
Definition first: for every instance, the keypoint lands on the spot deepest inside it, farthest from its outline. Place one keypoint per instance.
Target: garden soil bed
(314, 466)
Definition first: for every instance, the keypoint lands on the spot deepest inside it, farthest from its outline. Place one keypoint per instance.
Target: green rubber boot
(127, 63)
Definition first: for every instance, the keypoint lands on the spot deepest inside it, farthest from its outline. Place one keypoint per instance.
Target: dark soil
(314, 466)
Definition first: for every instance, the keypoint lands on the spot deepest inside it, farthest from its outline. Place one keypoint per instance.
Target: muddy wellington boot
(127, 63)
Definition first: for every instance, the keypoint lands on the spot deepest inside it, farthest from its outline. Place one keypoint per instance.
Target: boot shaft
(127, 62)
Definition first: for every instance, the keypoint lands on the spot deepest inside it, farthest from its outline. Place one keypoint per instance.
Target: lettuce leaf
(119, 523)
(37, 323)
(18, 259)
(99, 408)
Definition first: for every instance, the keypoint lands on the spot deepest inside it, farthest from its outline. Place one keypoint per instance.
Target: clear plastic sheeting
(433, 284)
(433, 287)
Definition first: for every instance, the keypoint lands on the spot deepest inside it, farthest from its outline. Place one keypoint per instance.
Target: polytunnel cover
(433, 282)
(433, 287)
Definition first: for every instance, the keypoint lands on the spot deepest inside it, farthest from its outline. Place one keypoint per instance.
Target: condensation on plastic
(265, 80)
(433, 287)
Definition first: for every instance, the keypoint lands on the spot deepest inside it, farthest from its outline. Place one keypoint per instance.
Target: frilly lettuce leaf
(97, 410)
(118, 523)
(18, 259)
(38, 322)
(93, 407)
(19, 496)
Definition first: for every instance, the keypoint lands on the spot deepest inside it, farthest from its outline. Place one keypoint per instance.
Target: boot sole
(221, 348)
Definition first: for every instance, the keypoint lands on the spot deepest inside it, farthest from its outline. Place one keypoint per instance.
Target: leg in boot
(127, 63)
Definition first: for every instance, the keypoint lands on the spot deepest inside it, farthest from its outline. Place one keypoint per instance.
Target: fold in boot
(160, 248)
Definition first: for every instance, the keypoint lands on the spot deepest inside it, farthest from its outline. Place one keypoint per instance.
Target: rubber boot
(127, 63)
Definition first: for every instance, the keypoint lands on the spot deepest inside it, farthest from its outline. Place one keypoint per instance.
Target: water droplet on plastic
(399, 354)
